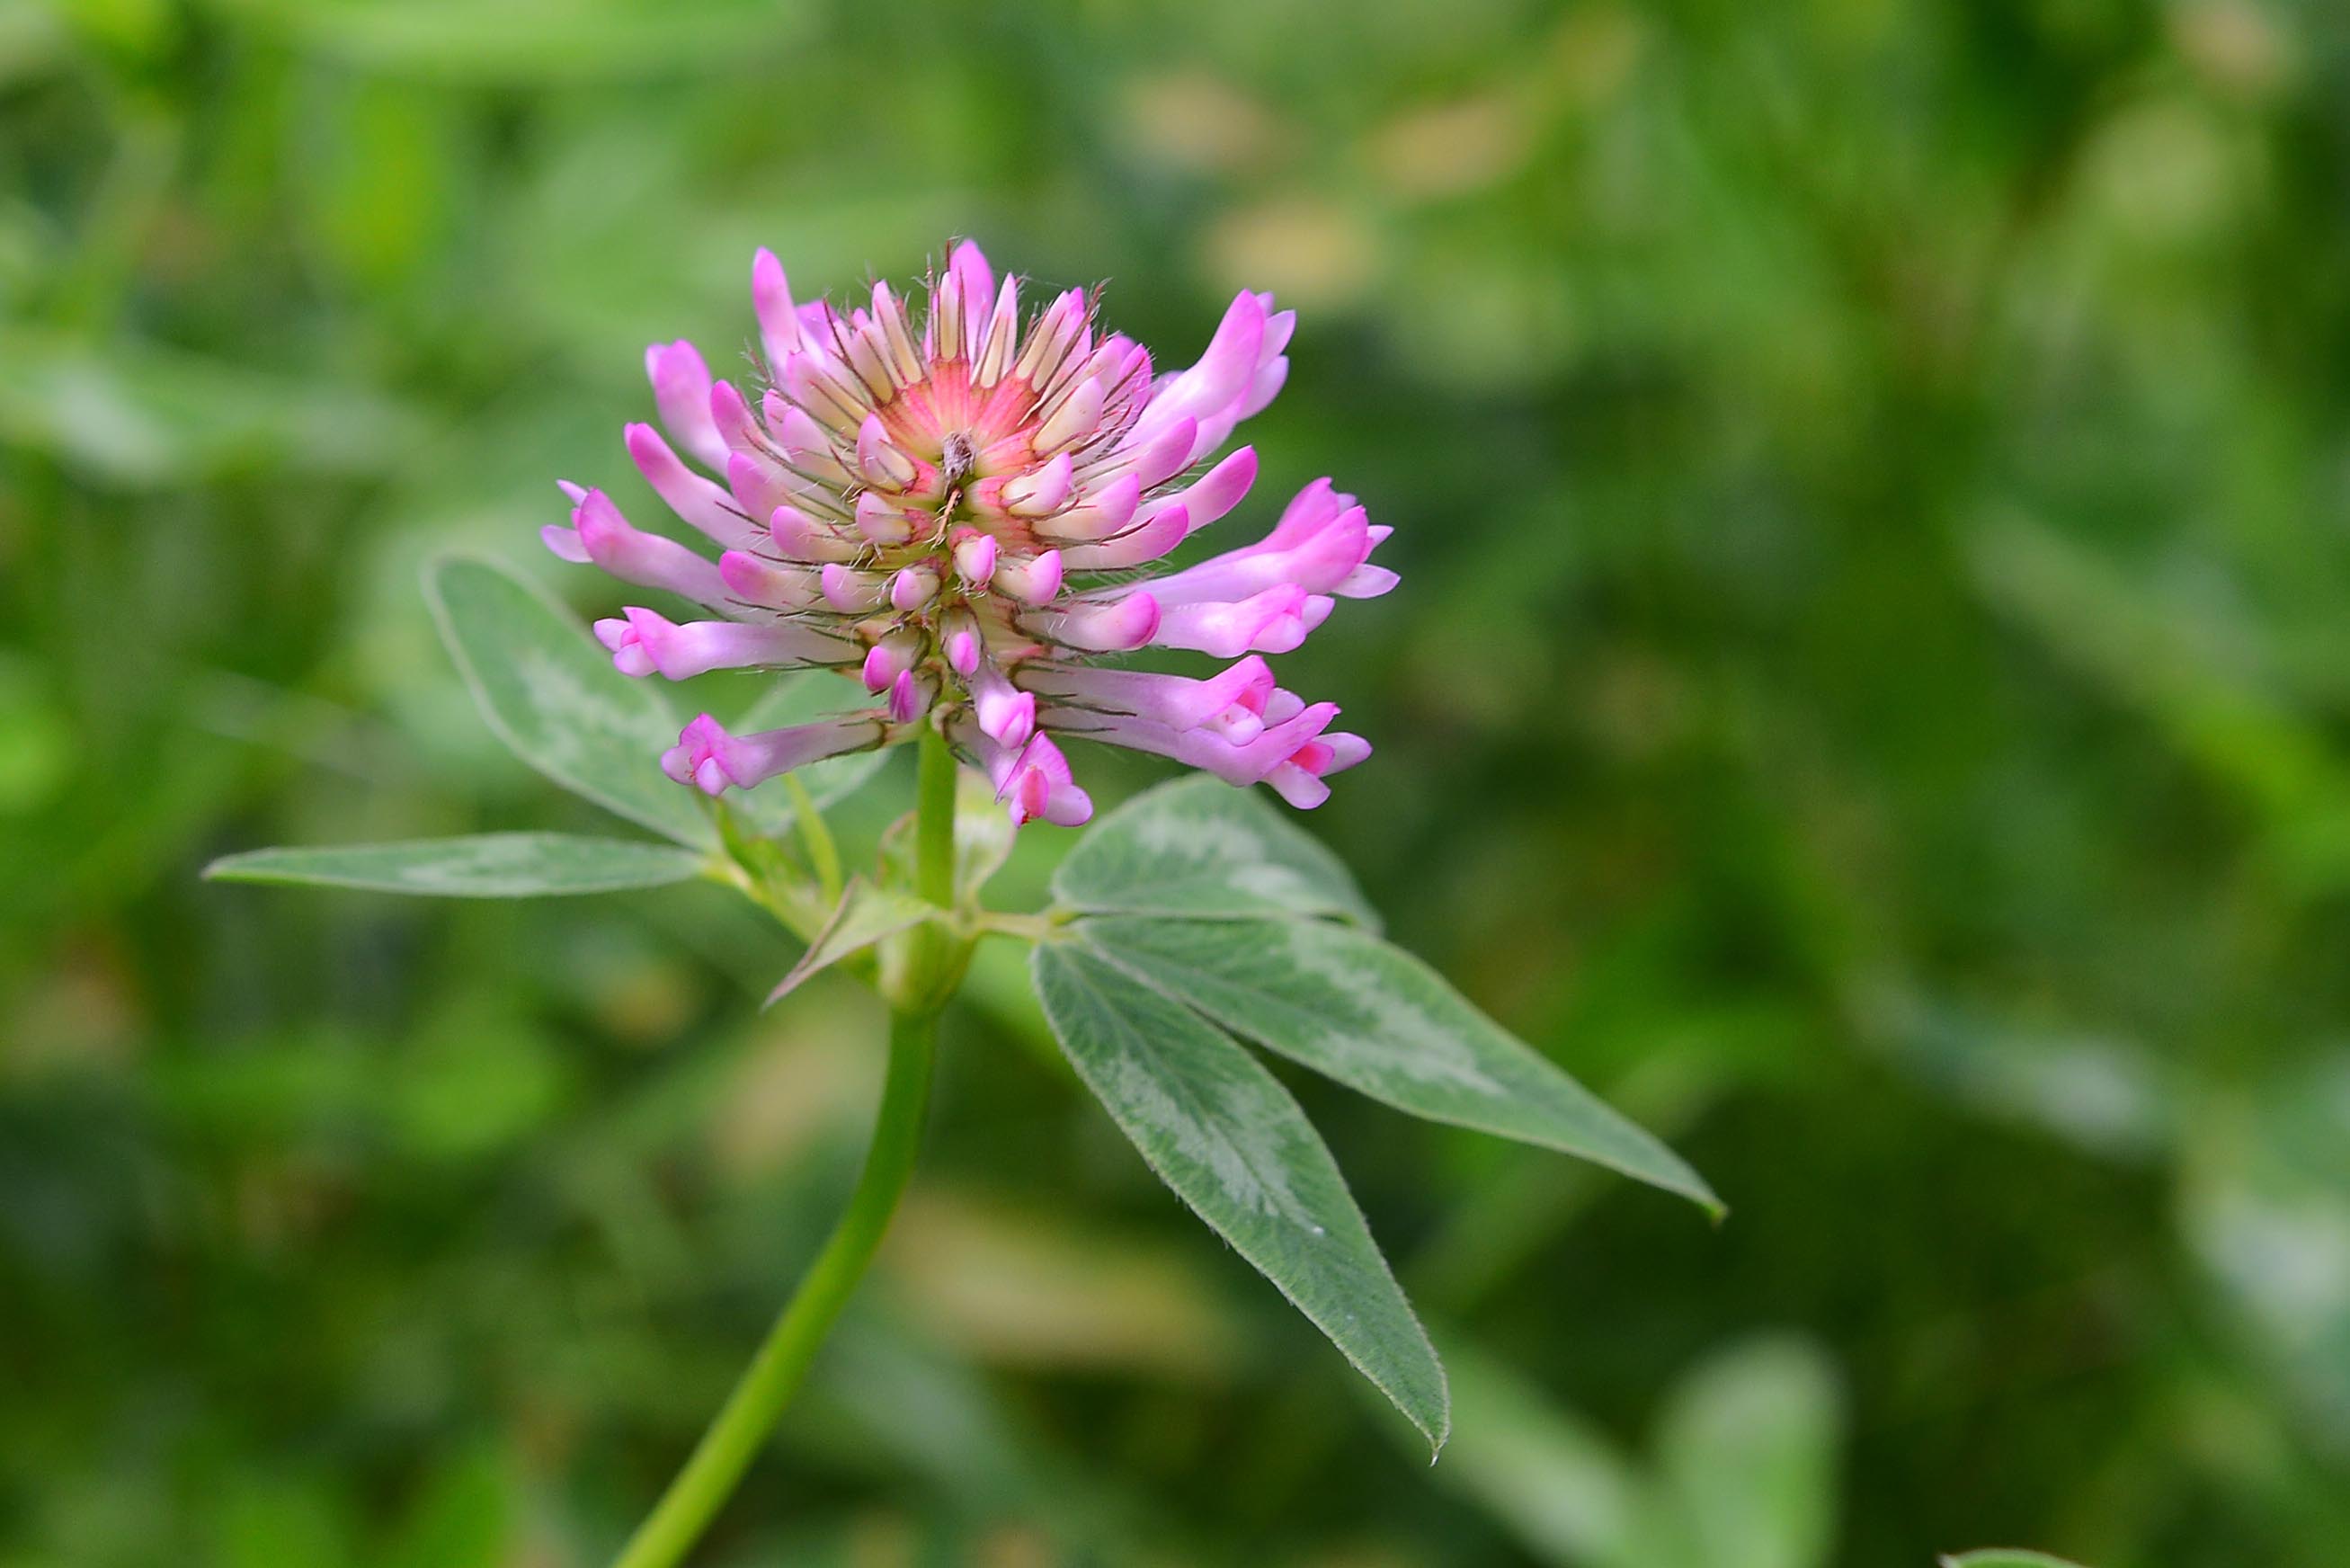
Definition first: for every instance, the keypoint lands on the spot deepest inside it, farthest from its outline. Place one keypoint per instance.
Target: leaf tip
(428, 577)
(1434, 1423)
(232, 867)
(441, 560)
(1685, 1182)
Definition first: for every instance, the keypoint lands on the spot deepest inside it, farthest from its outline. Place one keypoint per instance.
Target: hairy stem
(774, 1375)
(934, 823)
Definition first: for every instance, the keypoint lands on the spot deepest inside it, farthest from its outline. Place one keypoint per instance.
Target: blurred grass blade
(865, 915)
(464, 1517)
(1016, 1284)
(2209, 699)
(138, 415)
(1550, 1479)
(554, 698)
(285, 1521)
(1379, 1020)
(2006, 1557)
(1221, 1131)
(526, 43)
(1199, 847)
(483, 866)
(2265, 1208)
(1746, 1453)
(2107, 1094)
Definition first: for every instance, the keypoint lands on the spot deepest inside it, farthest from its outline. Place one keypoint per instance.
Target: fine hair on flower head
(965, 515)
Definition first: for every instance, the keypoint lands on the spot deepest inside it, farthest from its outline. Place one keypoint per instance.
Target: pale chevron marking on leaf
(1200, 848)
(1231, 854)
(1376, 1019)
(1409, 1039)
(484, 866)
(1224, 1134)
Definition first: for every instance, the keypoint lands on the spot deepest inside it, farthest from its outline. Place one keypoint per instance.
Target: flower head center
(956, 458)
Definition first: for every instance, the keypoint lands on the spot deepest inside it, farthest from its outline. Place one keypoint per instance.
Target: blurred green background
(1871, 693)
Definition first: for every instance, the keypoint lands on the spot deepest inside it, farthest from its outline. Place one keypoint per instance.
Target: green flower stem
(935, 824)
(750, 1413)
(726, 1449)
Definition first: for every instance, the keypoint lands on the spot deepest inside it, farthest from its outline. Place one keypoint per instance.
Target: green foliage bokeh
(1871, 693)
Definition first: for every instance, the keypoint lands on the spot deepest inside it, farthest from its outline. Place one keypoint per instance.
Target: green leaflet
(1220, 1130)
(555, 699)
(1200, 848)
(484, 866)
(1379, 1020)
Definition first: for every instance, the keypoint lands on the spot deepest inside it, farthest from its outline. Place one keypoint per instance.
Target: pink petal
(1145, 542)
(1097, 626)
(1033, 581)
(771, 297)
(690, 496)
(681, 392)
(647, 560)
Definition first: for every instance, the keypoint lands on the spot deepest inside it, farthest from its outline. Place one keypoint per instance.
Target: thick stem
(775, 1373)
(934, 821)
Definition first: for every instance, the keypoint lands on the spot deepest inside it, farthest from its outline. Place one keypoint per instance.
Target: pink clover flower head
(968, 512)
